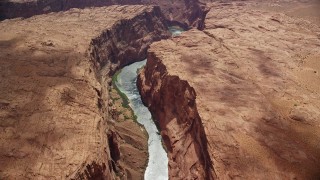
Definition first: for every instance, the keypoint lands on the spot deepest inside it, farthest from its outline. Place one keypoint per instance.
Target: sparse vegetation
(124, 99)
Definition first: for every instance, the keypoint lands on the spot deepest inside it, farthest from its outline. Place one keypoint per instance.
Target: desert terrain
(179, 12)
(251, 80)
(235, 96)
(54, 98)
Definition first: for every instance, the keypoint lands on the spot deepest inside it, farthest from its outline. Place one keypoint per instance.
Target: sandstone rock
(54, 96)
(185, 13)
(172, 103)
(238, 80)
(298, 115)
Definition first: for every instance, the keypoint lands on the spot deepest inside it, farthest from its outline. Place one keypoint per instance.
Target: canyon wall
(245, 90)
(172, 102)
(54, 119)
(187, 13)
(127, 41)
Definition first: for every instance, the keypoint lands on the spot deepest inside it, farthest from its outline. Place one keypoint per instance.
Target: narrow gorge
(232, 101)
(56, 114)
(235, 96)
(125, 81)
(172, 102)
(157, 167)
(113, 149)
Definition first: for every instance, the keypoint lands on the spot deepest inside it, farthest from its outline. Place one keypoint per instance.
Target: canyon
(157, 167)
(54, 102)
(240, 99)
(189, 13)
(235, 96)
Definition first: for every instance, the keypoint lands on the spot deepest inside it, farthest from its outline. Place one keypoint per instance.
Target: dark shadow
(11, 43)
(197, 64)
(290, 149)
(266, 65)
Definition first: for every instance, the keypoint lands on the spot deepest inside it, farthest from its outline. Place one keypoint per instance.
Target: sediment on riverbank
(131, 137)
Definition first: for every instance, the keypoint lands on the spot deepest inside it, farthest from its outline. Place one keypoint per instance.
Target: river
(157, 168)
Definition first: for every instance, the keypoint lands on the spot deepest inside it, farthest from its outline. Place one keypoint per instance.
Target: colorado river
(157, 168)
(175, 30)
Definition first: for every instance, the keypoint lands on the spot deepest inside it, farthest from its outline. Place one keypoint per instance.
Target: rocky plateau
(185, 13)
(240, 99)
(236, 96)
(54, 99)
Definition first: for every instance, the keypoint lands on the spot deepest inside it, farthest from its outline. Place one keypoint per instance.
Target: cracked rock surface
(53, 108)
(252, 76)
(185, 13)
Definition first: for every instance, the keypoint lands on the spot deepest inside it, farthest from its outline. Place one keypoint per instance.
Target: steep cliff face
(127, 41)
(172, 102)
(54, 120)
(124, 43)
(187, 13)
(255, 76)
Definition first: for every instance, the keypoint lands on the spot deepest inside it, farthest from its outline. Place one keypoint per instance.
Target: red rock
(228, 92)
(185, 13)
(54, 98)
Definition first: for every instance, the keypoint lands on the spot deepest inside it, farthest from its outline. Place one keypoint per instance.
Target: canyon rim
(235, 96)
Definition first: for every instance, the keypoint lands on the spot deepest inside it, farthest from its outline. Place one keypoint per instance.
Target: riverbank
(127, 106)
(125, 81)
(240, 99)
(131, 137)
(54, 102)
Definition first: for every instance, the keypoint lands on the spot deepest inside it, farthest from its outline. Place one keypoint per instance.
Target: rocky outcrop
(53, 108)
(13, 8)
(127, 41)
(187, 13)
(172, 102)
(251, 79)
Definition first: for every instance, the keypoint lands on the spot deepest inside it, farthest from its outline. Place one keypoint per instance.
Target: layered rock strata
(182, 12)
(54, 99)
(172, 103)
(251, 81)
(127, 41)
